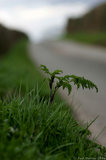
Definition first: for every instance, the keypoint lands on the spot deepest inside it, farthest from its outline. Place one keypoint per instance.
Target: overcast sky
(39, 17)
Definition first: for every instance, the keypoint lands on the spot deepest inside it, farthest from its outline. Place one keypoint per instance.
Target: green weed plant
(65, 82)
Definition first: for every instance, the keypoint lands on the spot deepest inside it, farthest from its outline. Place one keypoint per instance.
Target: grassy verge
(29, 128)
(88, 38)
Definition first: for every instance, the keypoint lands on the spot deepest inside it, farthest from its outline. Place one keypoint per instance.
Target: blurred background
(50, 18)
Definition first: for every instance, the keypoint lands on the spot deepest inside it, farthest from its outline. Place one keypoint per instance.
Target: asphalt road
(81, 60)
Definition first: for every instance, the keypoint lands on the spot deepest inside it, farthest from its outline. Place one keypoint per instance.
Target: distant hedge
(93, 21)
(8, 37)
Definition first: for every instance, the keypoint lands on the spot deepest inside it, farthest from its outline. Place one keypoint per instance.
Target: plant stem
(52, 95)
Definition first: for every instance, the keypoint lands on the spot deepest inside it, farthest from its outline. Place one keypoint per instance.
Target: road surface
(81, 60)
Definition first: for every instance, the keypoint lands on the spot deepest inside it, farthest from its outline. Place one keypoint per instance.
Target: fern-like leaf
(81, 81)
(63, 82)
(57, 72)
(68, 86)
(45, 69)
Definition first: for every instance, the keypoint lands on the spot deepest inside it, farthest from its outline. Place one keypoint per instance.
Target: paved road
(81, 60)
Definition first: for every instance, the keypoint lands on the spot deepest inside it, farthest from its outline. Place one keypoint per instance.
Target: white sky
(36, 19)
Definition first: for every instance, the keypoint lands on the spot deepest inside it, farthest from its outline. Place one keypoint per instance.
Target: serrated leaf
(83, 82)
(68, 86)
(45, 69)
(57, 72)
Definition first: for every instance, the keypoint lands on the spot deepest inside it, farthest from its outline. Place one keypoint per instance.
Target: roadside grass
(30, 129)
(93, 38)
(16, 70)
